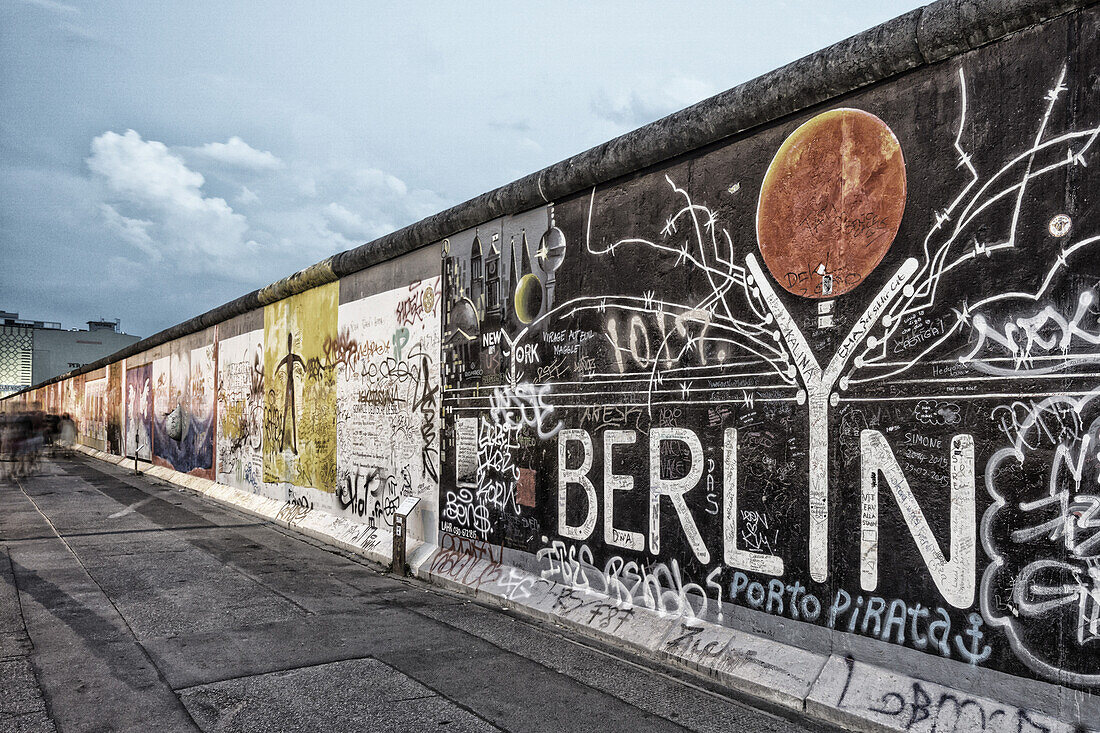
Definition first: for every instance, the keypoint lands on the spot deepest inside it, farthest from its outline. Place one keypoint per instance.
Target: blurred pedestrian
(8, 445)
(66, 432)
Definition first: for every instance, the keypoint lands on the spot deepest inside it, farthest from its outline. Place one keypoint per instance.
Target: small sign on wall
(525, 488)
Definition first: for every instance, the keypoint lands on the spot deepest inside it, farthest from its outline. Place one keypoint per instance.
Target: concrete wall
(838, 374)
(829, 380)
(327, 400)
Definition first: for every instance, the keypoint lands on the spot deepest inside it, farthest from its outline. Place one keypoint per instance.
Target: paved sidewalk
(127, 604)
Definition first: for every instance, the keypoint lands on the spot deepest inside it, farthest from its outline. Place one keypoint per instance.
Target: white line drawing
(1048, 565)
(666, 351)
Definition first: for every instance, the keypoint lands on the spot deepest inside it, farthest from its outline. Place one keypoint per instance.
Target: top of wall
(918, 38)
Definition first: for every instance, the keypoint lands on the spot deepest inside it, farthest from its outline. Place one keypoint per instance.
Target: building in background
(33, 351)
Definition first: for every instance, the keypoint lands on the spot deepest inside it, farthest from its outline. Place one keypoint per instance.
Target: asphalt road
(127, 604)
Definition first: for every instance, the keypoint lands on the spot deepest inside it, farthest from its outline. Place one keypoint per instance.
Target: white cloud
(150, 198)
(53, 6)
(65, 16)
(74, 32)
(134, 231)
(144, 170)
(374, 179)
(238, 154)
(383, 196)
(144, 176)
(307, 186)
(352, 226)
(651, 102)
(247, 197)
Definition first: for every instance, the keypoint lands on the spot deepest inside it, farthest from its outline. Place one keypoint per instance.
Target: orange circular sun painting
(831, 203)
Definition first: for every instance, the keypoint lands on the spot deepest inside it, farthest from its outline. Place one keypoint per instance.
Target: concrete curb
(829, 688)
(339, 531)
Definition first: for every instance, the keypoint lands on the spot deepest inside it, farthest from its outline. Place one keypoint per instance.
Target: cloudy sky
(158, 159)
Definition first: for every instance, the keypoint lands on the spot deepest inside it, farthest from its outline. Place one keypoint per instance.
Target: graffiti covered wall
(388, 396)
(93, 424)
(138, 440)
(72, 397)
(115, 407)
(241, 410)
(840, 372)
(183, 379)
(299, 429)
(831, 381)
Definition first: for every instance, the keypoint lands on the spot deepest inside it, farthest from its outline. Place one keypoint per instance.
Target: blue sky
(159, 159)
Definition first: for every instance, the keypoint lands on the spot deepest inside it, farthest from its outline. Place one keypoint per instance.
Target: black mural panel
(843, 370)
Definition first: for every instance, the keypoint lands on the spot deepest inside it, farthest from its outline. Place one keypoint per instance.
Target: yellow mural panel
(299, 432)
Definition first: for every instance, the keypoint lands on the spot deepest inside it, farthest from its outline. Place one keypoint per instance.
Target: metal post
(400, 532)
(398, 564)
